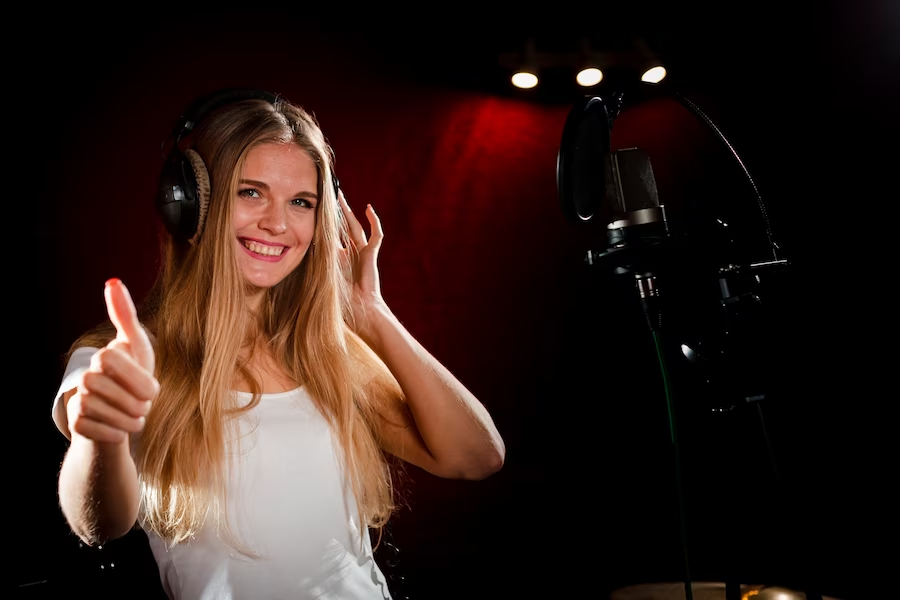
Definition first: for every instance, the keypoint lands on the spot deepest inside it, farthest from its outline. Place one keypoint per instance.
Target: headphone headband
(204, 105)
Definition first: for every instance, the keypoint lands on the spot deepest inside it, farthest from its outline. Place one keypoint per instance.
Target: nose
(274, 218)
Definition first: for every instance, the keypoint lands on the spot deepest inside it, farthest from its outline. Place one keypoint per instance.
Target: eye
(302, 202)
(249, 193)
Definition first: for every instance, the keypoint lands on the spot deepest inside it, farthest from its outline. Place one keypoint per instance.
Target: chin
(264, 278)
(262, 283)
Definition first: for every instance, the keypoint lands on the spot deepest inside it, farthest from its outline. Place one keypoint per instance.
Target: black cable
(396, 580)
(679, 475)
(703, 117)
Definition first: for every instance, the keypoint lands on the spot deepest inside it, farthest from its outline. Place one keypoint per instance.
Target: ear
(201, 176)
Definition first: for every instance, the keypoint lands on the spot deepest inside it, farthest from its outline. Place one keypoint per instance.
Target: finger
(96, 408)
(357, 234)
(97, 431)
(122, 313)
(85, 426)
(99, 385)
(116, 363)
(344, 257)
(375, 224)
(345, 206)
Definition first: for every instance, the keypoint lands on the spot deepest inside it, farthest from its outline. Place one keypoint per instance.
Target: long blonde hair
(199, 317)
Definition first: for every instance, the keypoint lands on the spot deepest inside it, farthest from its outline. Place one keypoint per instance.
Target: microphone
(638, 218)
(591, 177)
(638, 232)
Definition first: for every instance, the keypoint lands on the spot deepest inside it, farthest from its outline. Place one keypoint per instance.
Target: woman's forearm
(98, 490)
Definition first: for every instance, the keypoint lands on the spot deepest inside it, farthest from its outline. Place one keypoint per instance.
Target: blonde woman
(243, 416)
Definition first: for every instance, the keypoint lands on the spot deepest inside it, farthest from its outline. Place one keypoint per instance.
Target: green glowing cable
(678, 476)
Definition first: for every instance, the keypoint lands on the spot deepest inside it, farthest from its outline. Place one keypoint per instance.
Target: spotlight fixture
(525, 76)
(654, 74)
(651, 69)
(589, 74)
(524, 79)
(590, 66)
(589, 77)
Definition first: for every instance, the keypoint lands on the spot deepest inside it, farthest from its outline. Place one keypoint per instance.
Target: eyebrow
(265, 186)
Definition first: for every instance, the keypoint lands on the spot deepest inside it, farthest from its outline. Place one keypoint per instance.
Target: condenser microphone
(637, 228)
(592, 180)
(638, 231)
(638, 216)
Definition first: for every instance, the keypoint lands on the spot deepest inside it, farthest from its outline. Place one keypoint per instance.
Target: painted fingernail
(112, 281)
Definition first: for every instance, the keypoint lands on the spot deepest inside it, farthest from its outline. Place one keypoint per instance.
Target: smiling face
(274, 212)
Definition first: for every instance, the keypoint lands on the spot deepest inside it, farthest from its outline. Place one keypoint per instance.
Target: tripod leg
(811, 593)
(762, 423)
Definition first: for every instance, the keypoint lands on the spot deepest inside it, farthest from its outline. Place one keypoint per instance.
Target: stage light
(588, 66)
(524, 80)
(525, 67)
(589, 77)
(654, 74)
(592, 65)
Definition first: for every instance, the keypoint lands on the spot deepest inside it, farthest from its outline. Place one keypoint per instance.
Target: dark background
(481, 266)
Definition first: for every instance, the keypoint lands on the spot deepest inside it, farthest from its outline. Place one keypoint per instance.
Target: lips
(264, 250)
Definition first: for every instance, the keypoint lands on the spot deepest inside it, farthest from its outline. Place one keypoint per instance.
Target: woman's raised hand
(114, 395)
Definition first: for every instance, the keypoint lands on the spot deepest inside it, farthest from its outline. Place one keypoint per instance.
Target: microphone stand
(645, 259)
(733, 593)
(639, 245)
(636, 259)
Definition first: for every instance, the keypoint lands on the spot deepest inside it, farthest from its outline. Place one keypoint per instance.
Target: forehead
(284, 168)
(272, 156)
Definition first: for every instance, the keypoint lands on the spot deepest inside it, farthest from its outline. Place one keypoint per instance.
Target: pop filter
(583, 152)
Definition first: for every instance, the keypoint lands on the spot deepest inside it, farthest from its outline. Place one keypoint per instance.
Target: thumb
(123, 315)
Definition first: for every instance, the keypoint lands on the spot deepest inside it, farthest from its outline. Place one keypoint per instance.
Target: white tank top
(289, 502)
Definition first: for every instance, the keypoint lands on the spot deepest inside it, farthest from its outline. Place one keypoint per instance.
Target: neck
(265, 369)
(254, 299)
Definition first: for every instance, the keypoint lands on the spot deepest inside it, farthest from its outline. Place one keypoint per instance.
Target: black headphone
(183, 194)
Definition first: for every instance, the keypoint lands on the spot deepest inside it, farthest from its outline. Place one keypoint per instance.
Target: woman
(243, 419)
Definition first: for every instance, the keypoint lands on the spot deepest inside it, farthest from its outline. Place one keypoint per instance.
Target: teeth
(263, 248)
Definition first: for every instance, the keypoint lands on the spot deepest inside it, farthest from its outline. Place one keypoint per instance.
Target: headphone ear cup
(182, 199)
(202, 186)
(176, 197)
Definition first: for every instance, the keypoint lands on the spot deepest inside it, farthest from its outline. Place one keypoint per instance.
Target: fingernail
(112, 281)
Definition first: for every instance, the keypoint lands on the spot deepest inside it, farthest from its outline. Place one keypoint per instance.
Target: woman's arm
(98, 484)
(451, 434)
(98, 489)
(445, 430)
